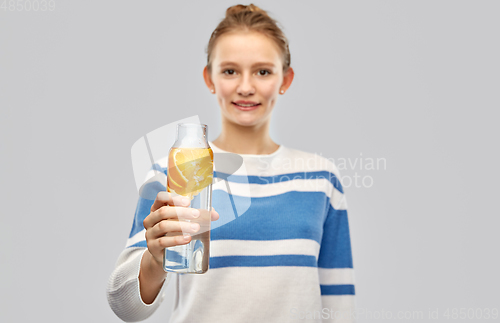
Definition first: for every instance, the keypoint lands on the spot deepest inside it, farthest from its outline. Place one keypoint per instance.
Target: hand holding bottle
(168, 215)
(166, 224)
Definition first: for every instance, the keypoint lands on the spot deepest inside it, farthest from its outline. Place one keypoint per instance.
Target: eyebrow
(256, 64)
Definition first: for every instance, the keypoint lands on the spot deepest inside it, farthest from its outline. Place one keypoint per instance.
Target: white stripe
(338, 201)
(336, 276)
(219, 248)
(287, 161)
(340, 308)
(300, 185)
(263, 190)
(282, 288)
(139, 236)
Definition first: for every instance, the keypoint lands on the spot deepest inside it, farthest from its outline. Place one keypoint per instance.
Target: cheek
(224, 91)
(270, 92)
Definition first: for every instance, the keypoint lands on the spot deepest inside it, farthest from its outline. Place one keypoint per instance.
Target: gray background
(413, 82)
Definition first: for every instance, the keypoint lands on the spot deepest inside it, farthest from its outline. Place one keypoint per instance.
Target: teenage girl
(288, 257)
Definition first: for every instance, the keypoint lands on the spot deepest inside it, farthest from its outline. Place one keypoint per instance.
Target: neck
(239, 139)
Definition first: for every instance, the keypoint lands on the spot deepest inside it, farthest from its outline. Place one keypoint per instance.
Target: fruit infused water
(190, 174)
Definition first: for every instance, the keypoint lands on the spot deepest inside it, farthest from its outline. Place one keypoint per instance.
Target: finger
(170, 212)
(171, 226)
(214, 215)
(165, 198)
(167, 242)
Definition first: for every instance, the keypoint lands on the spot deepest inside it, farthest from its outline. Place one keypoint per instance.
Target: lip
(245, 108)
(245, 102)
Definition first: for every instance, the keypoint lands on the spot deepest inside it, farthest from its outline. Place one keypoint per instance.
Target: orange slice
(190, 170)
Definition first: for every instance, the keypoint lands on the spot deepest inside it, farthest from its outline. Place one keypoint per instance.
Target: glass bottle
(190, 174)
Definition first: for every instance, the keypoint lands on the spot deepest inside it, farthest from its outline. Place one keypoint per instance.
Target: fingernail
(186, 237)
(196, 213)
(185, 200)
(194, 226)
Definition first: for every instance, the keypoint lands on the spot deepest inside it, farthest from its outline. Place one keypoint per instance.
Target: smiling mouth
(246, 107)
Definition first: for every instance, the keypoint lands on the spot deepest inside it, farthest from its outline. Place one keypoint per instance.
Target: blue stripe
(286, 218)
(271, 179)
(159, 168)
(150, 190)
(142, 243)
(335, 249)
(175, 257)
(141, 212)
(292, 215)
(281, 178)
(262, 261)
(337, 289)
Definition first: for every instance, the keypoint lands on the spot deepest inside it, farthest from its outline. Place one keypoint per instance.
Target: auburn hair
(249, 18)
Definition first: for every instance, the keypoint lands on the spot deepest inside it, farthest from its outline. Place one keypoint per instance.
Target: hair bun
(242, 8)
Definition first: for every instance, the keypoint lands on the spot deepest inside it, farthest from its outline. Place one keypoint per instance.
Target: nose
(246, 87)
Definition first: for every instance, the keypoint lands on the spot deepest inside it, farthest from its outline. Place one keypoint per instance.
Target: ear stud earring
(282, 91)
(213, 91)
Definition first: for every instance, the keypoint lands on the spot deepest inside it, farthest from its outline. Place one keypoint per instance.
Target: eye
(266, 71)
(228, 71)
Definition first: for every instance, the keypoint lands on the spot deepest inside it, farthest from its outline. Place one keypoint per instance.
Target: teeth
(246, 105)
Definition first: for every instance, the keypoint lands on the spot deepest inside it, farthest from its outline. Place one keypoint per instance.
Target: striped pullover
(280, 251)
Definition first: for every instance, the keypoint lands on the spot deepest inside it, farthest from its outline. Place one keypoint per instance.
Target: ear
(208, 79)
(287, 79)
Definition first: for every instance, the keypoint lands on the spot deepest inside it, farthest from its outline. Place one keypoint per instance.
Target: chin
(246, 121)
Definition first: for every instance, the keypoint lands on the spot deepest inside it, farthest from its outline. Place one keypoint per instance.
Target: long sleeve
(335, 264)
(123, 290)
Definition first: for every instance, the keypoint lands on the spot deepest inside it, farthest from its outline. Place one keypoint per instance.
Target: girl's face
(247, 70)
